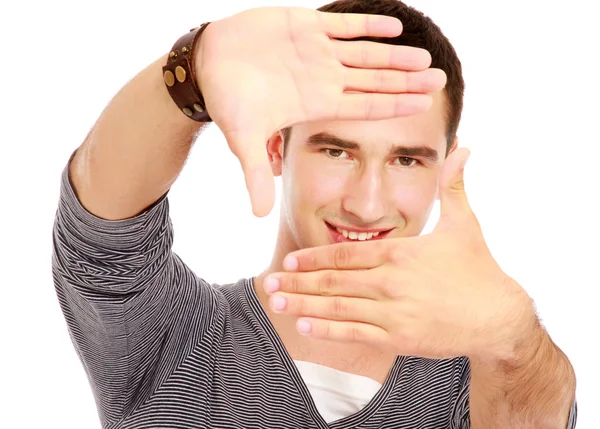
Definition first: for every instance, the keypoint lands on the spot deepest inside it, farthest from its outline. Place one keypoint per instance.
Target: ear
(452, 149)
(275, 153)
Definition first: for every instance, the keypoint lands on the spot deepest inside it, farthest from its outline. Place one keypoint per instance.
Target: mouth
(342, 235)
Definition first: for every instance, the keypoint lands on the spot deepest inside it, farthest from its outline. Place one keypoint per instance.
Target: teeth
(361, 236)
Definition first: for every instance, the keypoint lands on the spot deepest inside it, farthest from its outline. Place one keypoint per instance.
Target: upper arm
(121, 289)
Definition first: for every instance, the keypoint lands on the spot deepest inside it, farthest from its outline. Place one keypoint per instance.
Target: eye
(405, 161)
(337, 153)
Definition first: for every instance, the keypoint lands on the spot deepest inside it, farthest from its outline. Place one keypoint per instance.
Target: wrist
(514, 333)
(522, 336)
(179, 75)
(202, 47)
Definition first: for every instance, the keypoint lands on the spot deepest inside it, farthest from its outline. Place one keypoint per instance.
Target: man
(358, 321)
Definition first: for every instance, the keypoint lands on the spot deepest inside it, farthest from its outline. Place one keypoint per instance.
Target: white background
(530, 119)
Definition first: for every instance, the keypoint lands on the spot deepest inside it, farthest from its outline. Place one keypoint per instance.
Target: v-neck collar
(348, 422)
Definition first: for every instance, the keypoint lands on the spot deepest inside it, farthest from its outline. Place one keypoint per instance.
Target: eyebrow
(328, 139)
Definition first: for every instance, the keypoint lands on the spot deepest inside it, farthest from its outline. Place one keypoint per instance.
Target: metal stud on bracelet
(180, 79)
(180, 74)
(169, 78)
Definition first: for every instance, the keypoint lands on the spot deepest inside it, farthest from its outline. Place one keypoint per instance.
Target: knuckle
(404, 82)
(327, 329)
(327, 284)
(355, 334)
(299, 306)
(341, 258)
(400, 105)
(293, 284)
(339, 309)
(367, 24)
(364, 54)
(398, 256)
(369, 107)
(391, 53)
(391, 82)
(380, 80)
(345, 23)
(389, 287)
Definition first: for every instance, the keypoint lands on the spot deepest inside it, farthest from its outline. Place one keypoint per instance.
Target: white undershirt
(336, 394)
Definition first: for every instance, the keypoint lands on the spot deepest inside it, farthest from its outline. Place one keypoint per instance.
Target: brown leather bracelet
(180, 77)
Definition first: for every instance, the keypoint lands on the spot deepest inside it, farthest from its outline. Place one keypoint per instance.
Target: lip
(339, 238)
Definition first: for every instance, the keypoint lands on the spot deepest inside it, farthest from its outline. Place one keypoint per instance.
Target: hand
(439, 295)
(268, 68)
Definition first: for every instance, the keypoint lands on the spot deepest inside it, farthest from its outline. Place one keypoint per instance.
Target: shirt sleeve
(123, 293)
(573, 416)
(461, 418)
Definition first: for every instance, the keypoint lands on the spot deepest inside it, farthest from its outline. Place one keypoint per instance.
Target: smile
(340, 234)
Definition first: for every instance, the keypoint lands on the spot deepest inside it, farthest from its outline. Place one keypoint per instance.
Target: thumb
(454, 205)
(251, 152)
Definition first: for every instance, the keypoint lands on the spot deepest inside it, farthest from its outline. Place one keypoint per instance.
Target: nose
(365, 197)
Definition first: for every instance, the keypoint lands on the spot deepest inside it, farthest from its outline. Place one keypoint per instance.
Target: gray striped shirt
(162, 348)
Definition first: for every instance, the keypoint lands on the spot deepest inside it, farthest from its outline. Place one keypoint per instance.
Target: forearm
(135, 150)
(535, 389)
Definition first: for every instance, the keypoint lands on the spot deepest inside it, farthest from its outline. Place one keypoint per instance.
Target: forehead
(427, 128)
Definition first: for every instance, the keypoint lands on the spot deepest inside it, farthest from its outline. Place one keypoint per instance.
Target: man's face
(357, 180)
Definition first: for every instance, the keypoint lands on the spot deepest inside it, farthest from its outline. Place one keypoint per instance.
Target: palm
(265, 69)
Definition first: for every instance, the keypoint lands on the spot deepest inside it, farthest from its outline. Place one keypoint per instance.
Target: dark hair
(418, 31)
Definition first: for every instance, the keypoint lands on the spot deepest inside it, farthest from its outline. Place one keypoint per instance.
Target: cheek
(307, 195)
(315, 188)
(323, 190)
(415, 201)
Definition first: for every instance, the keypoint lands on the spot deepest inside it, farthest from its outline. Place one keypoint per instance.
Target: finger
(345, 256)
(332, 308)
(373, 106)
(454, 205)
(357, 284)
(394, 81)
(351, 25)
(260, 183)
(373, 55)
(344, 332)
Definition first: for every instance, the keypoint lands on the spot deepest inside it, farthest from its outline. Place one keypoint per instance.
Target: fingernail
(304, 326)
(278, 302)
(290, 263)
(271, 285)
